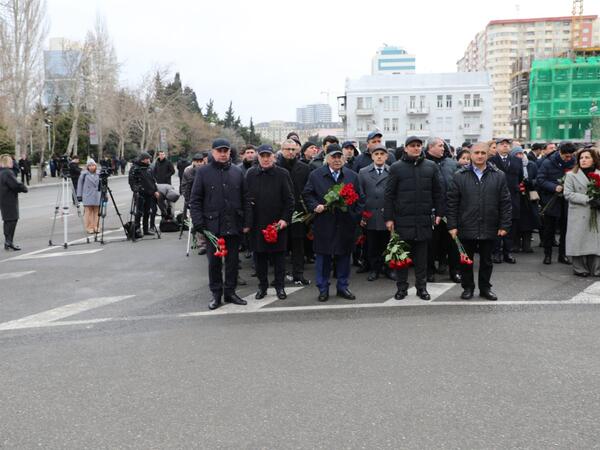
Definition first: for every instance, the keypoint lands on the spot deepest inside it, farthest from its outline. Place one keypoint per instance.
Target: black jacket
(163, 170)
(25, 166)
(448, 167)
(141, 179)
(318, 161)
(271, 199)
(9, 190)
(365, 160)
(74, 170)
(299, 173)
(219, 199)
(513, 170)
(551, 171)
(181, 165)
(478, 209)
(414, 192)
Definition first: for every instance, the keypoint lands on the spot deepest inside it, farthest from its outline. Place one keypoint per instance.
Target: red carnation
(361, 240)
(348, 194)
(270, 233)
(367, 215)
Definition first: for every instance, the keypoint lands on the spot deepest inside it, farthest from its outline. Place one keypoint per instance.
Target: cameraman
(142, 183)
(74, 170)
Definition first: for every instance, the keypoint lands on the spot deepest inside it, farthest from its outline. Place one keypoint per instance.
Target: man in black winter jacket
(478, 211)
(163, 169)
(143, 185)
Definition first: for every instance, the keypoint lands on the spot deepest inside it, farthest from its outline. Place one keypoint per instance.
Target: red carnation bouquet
(218, 244)
(397, 253)
(339, 196)
(464, 257)
(593, 192)
(270, 233)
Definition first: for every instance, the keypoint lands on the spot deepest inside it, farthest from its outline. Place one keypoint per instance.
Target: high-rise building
(60, 69)
(316, 113)
(502, 42)
(392, 60)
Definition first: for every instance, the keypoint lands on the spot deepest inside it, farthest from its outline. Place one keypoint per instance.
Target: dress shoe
(431, 278)
(139, 234)
(400, 294)
(467, 294)
(202, 251)
(510, 259)
(497, 259)
(260, 294)
(235, 299)
(148, 233)
(564, 260)
(12, 246)
(390, 274)
(323, 296)
(372, 276)
(581, 274)
(488, 295)
(547, 259)
(456, 278)
(281, 295)
(362, 269)
(345, 293)
(215, 303)
(301, 281)
(423, 294)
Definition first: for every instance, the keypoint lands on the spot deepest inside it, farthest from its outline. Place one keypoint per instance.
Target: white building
(316, 113)
(454, 106)
(392, 60)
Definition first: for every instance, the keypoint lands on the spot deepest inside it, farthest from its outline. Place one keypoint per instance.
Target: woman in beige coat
(583, 244)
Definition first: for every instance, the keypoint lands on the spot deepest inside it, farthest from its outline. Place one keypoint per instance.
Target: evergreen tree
(238, 123)
(211, 115)
(174, 88)
(253, 137)
(229, 120)
(191, 101)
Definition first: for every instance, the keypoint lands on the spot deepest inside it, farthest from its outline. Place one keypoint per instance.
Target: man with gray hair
(441, 248)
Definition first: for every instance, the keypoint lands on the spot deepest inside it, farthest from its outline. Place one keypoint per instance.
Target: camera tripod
(131, 228)
(105, 192)
(66, 195)
(184, 217)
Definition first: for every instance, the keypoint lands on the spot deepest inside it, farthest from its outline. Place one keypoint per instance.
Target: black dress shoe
(431, 278)
(564, 260)
(390, 274)
(323, 296)
(547, 259)
(581, 274)
(346, 294)
(488, 295)
(235, 299)
(456, 278)
(281, 295)
(373, 276)
(202, 251)
(362, 269)
(467, 294)
(148, 233)
(14, 247)
(215, 303)
(497, 259)
(509, 259)
(423, 294)
(301, 281)
(400, 294)
(260, 294)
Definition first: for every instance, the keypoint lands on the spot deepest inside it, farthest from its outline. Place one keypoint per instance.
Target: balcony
(472, 109)
(417, 111)
(364, 111)
(472, 131)
(361, 134)
(418, 133)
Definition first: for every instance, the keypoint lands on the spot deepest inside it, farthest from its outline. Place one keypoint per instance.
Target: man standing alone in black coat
(478, 212)
(218, 203)
(163, 169)
(143, 185)
(271, 201)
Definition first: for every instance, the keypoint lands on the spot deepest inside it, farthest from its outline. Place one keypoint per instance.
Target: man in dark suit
(513, 170)
(334, 231)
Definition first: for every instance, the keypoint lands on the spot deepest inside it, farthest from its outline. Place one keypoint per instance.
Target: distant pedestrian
(74, 171)
(163, 169)
(25, 168)
(89, 195)
(9, 201)
(181, 165)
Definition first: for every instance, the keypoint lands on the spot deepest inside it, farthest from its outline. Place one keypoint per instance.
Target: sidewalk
(49, 181)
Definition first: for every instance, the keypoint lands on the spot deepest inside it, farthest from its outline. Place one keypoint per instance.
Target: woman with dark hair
(583, 243)
(9, 201)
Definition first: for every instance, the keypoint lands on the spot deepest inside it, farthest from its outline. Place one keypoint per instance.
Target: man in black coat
(478, 211)
(163, 169)
(9, 201)
(219, 204)
(513, 170)
(181, 165)
(350, 154)
(413, 197)
(271, 201)
(334, 231)
(299, 173)
(74, 170)
(25, 168)
(144, 187)
(248, 156)
(374, 139)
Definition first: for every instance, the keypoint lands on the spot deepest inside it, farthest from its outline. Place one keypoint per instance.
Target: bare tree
(23, 29)
(123, 113)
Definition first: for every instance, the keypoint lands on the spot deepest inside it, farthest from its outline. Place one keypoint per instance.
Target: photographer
(89, 194)
(142, 183)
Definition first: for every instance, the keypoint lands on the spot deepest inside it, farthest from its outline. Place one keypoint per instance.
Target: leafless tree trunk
(22, 32)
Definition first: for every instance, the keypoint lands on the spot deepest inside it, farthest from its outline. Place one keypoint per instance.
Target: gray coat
(87, 189)
(580, 240)
(373, 187)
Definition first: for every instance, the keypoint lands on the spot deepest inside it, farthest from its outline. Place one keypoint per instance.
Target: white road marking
(53, 255)
(11, 275)
(46, 318)
(591, 294)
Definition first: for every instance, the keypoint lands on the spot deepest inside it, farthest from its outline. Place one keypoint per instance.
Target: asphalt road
(115, 348)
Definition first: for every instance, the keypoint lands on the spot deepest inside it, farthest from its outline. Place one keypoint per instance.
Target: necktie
(335, 176)
(379, 171)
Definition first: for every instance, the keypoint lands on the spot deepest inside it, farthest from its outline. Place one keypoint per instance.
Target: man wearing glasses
(218, 203)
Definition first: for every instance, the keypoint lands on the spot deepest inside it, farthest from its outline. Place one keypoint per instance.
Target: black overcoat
(299, 172)
(9, 191)
(334, 231)
(513, 170)
(271, 200)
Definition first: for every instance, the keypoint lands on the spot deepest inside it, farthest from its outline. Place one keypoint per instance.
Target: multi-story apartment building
(316, 113)
(519, 98)
(502, 42)
(392, 60)
(454, 106)
(275, 131)
(61, 61)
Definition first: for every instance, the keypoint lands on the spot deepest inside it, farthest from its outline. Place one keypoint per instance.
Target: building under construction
(563, 98)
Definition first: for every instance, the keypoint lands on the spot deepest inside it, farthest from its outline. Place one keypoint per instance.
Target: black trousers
(142, 210)
(377, 242)
(262, 268)
(418, 253)
(9, 231)
(26, 178)
(485, 249)
(503, 245)
(215, 268)
(297, 249)
(441, 248)
(551, 224)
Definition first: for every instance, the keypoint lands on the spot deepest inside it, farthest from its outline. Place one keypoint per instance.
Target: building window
(467, 100)
(448, 101)
(386, 103)
(412, 102)
(422, 101)
(386, 124)
(395, 103)
(394, 124)
(411, 126)
(368, 103)
(440, 101)
(364, 103)
(447, 123)
(476, 100)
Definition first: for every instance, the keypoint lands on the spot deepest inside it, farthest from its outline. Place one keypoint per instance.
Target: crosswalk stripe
(12, 275)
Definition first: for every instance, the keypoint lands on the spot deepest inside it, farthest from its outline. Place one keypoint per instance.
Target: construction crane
(576, 23)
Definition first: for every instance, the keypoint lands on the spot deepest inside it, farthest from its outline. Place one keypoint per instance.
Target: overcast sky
(270, 57)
